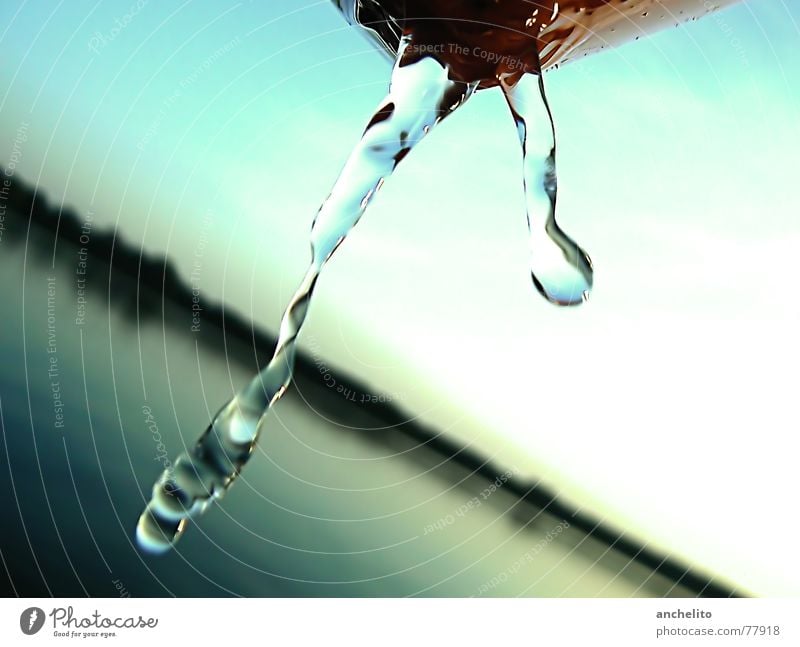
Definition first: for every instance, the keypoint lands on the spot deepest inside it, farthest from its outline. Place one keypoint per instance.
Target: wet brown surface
(483, 40)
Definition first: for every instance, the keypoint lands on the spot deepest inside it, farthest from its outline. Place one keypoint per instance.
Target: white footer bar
(401, 622)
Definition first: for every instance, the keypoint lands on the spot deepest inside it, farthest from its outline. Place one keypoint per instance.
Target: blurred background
(159, 157)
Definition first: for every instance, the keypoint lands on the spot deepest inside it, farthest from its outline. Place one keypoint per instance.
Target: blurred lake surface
(97, 396)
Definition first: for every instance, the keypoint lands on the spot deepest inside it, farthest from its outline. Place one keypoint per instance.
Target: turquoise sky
(677, 164)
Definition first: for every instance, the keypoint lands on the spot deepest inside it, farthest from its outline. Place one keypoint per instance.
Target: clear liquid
(432, 77)
(421, 95)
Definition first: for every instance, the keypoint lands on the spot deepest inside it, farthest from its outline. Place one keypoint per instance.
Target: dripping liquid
(439, 65)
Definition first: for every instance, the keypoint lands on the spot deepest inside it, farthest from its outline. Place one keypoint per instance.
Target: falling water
(439, 65)
(421, 95)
